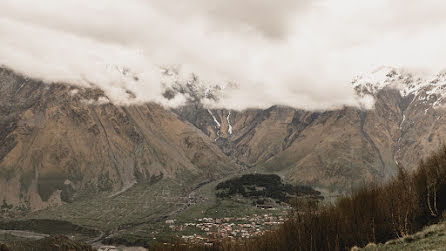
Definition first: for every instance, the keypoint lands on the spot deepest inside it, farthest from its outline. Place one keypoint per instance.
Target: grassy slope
(140, 212)
(141, 203)
(53, 243)
(430, 238)
(208, 206)
(5, 237)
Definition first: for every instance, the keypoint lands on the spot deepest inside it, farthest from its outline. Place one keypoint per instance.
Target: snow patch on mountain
(229, 124)
(428, 90)
(215, 119)
(191, 88)
(20, 88)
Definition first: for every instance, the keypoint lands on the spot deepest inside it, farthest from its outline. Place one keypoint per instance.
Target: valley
(68, 154)
(222, 125)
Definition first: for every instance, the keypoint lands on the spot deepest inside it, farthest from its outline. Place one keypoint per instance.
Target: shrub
(370, 215)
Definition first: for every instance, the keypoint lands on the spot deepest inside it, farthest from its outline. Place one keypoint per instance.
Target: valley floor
(157, 212)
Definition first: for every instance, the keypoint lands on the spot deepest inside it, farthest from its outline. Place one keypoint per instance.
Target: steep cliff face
(59, 141)
(420, 101)
(339, 149)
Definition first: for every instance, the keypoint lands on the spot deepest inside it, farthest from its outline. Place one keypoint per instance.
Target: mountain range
(60, 142)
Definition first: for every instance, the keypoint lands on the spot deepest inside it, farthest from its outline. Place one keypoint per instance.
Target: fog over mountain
(302, 54)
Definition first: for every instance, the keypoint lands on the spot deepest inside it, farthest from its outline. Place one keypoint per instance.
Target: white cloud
(295, 53)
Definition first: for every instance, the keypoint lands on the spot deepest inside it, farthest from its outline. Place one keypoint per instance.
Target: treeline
(262, 185)
(372, 214)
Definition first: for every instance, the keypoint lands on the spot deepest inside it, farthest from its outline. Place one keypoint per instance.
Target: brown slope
(337, 149)
(422, 130)
(58, 141)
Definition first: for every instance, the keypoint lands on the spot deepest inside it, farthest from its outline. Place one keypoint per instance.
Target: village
(228, 227)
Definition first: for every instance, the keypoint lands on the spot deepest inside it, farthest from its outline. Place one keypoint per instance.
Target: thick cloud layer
(295, 53)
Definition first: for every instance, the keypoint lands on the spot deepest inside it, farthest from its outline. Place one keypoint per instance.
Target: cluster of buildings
(228, 227)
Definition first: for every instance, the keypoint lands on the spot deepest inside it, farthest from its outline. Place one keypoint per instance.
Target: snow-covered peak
(192, 87)
(384, 77)
(427, 88)
(377, 79)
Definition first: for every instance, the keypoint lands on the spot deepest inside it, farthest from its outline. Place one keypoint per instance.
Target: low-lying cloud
(293, 53)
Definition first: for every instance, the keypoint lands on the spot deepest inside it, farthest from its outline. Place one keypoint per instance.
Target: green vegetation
(67, 193)
(49, 227)
(53, 243)
(374, 214)
(140, 204)
(139, 213)
(6, 237)
(128, 240)
(430, 238)
(262, 186)
(105, 184)
(49, 183)
(5, 206)
(136, 215)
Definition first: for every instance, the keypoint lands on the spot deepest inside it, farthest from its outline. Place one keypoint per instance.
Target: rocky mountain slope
(58, 142)
(339, 149)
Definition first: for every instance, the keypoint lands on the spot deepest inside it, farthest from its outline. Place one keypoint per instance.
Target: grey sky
(297, 53)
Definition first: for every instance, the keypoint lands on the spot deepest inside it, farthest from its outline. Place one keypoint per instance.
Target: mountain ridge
(56, 144)
(385, 131)
(59, 125)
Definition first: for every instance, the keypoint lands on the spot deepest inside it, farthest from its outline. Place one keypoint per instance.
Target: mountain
(59, 142)
(421, 121)
(339, 149)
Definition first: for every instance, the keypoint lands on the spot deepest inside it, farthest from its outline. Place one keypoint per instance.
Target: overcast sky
(298, 53)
